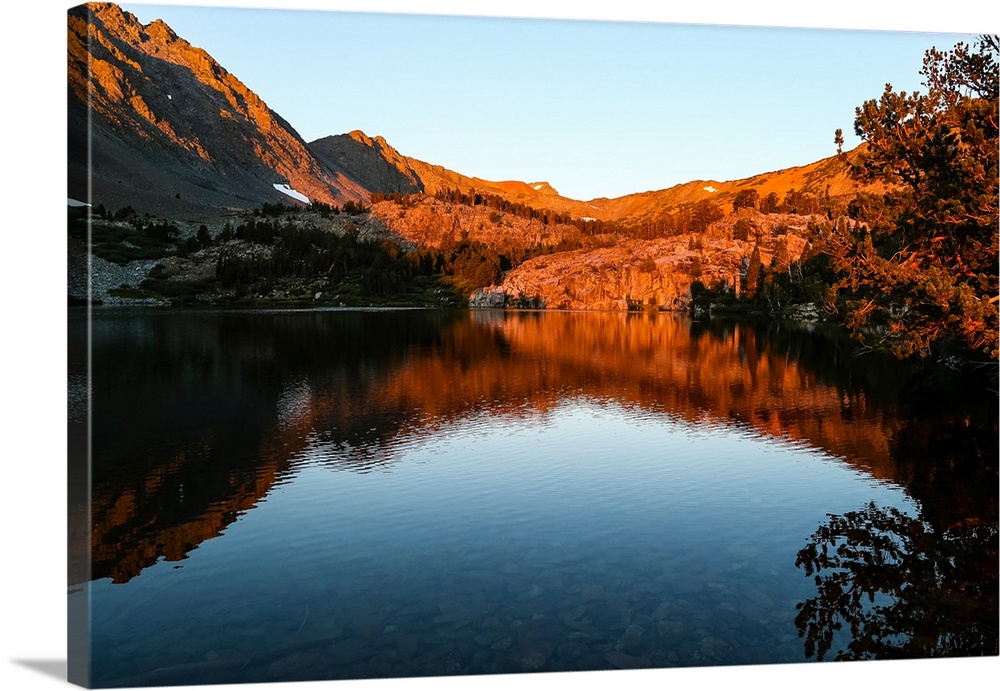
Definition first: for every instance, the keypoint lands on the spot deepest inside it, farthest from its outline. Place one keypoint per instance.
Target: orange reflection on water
(342, 377)
(506, 362)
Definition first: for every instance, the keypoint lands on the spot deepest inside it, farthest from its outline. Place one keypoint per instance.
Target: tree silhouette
(754, 275)
(704, 214)
(902, 588)
(741, 229)
(746, 199)
(696, 269)
(770, 204)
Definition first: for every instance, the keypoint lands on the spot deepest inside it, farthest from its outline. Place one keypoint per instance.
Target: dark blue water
(326, 495)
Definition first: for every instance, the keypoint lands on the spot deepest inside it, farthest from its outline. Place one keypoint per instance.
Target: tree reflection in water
(903, 588)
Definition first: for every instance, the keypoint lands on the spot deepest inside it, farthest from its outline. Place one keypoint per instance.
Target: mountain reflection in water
(198, 416)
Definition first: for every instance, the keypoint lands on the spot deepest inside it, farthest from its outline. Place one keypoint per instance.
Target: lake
(331, 494)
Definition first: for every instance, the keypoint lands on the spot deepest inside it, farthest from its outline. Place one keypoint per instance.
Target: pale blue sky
(594, 108)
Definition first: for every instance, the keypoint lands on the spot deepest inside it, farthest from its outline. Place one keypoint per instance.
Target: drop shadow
(50, 668)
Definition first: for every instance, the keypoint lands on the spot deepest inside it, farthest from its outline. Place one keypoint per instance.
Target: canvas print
(408, 346)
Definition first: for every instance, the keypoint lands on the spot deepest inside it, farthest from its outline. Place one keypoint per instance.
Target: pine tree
(746, 199)
(919, 266)
(751, 283)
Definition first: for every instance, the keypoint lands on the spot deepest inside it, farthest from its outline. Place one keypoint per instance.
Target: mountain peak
(360, 137)
(542, 187)
(112, 17)
(377, 142)
(124, 23)
(372, 161)
(107, 10)
(158, 29)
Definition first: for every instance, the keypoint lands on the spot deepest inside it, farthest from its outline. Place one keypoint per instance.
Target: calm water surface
(342, 494)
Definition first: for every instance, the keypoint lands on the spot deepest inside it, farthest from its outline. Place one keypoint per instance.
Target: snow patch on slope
(285, 189)
(710, 189)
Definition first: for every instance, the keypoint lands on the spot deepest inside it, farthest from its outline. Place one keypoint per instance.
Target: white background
(33, 278)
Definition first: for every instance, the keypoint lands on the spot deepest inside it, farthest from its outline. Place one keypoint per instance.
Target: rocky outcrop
(93, 279)
(488, 298)
(633, 274)
(652, 274)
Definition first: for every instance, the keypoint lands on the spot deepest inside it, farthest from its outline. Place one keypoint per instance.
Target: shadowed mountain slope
(170, 130)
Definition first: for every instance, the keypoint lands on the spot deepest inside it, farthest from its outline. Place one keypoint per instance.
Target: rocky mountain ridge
(158, 124)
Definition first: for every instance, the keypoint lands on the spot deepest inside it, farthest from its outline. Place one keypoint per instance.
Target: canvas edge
(78, 442)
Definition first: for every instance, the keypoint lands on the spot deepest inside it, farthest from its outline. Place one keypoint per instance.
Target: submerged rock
(630, 641)
(532, 657)
(624, 661)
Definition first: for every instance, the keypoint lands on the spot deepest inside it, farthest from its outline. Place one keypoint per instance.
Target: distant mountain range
(158, 124)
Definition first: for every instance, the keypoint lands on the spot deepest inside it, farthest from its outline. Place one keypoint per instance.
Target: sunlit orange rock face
(647, 273)
(610, 272)
(775, 384)
(651, 274)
